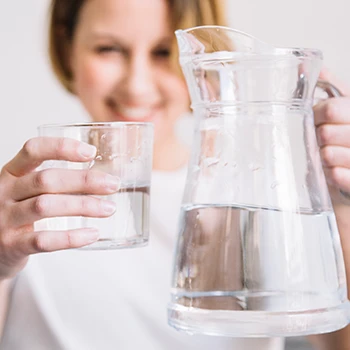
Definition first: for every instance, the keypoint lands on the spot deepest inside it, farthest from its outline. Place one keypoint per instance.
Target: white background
(29, 94)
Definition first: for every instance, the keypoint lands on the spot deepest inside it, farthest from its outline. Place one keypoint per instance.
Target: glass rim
(96, 125)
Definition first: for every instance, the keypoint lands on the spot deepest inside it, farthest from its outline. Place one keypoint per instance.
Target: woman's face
(121, 64)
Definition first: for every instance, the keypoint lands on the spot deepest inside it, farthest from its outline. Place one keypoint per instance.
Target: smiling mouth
(141, 114)
(135, 112)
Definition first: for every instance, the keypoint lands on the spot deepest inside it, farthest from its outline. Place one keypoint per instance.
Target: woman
(118, 57)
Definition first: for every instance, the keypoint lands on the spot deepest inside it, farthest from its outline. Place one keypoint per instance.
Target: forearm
(339, 340)
(4, 298)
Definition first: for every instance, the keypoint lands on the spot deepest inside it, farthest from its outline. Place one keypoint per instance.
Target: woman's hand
(332, 120)
(27, 196)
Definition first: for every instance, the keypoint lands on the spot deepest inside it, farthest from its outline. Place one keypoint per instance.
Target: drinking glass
(123, 150)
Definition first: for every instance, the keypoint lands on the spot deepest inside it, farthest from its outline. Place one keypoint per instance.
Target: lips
(136, 112)
(149, 112)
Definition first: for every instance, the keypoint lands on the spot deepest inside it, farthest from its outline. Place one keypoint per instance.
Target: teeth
(135, 112)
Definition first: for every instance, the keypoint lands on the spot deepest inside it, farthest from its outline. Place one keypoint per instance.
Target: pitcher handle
(332, 91)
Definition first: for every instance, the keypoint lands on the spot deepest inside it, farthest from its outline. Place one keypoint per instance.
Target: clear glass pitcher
(258, 251)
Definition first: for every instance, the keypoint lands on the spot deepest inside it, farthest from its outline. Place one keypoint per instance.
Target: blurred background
(30, 95)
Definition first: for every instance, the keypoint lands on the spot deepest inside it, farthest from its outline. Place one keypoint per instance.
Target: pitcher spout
(210, 39)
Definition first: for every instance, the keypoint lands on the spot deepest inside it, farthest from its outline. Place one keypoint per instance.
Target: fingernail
(89, 235)
(112, 182)
(86, 150)
(108, 207)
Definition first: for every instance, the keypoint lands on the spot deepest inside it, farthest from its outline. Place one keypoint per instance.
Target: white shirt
(101, 300)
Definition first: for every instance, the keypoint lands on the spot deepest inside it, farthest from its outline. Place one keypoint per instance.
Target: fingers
(15, 246)
(51, 205)
(338, 177)
(335, 156)
(332, 120)
(39, 149)
(49, 241)
(64, 181)
(334, 141)
(332, 111)
(336, 135)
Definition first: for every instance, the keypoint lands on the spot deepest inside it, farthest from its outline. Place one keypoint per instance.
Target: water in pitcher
(237, 258)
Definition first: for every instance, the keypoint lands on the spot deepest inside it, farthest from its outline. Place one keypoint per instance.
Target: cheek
(94, 79)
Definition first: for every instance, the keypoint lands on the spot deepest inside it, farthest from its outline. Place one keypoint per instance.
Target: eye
(108, 49)
(162, 53)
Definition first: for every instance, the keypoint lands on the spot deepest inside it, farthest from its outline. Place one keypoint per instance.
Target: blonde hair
(64, 17)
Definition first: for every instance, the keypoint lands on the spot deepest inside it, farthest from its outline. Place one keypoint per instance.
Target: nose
(140, 84)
